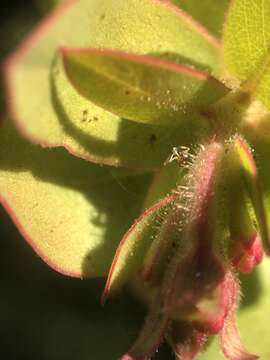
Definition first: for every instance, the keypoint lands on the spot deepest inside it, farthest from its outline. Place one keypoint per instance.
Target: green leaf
(261, 143)
(72, 213)
(138, 145)
(163, 183)
(252, 317)
(67, 119)
(210, 13)
(140, 88)
(133, 246)
(250, 173)
(246, 46)
(162, 247)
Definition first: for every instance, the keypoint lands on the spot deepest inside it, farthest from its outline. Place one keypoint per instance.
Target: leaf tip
(104, 296)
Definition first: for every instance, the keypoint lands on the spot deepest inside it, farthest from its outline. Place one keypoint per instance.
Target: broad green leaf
(73, 213)
(131, 251)
(210, 13)
(252, 316)
(246, 46)
(138, 145)
(50, 111)
(144, 88)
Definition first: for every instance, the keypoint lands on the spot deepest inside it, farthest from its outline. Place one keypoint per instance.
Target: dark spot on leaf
(153, 138)
(84, 113)
(127, 92)
(102, 17)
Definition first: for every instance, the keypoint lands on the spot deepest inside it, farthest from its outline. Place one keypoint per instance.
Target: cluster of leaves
(121, 89)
